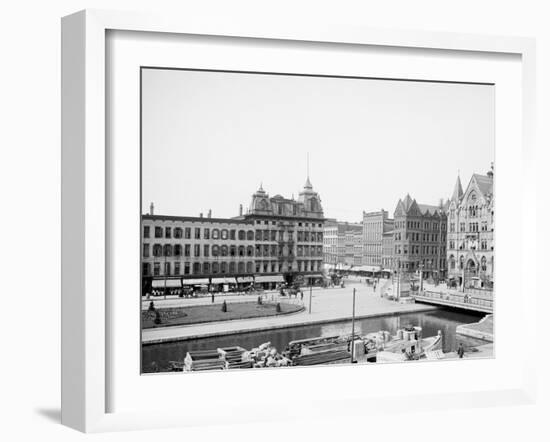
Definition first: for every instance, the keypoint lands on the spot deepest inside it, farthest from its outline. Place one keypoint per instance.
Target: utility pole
(310, 294)
(353, 329)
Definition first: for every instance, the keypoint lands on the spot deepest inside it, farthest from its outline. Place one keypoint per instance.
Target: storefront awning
(199, 281)
(168, 283)
(270, 278)
(386, 270)
(245, 279)
(223, 280)
(317, 275)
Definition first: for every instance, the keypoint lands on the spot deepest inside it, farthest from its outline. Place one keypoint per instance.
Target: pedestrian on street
(460, 351)
(212, 297)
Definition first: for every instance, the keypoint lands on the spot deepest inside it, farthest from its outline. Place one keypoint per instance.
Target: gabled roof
(484, 184)
(457, 192)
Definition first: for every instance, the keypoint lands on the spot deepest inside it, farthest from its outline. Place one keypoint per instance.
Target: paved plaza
(330, 304)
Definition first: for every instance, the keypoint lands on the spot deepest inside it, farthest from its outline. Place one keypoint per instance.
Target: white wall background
(30, 221)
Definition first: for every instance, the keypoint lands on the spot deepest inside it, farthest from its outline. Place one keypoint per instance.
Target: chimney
(209, 213)
(152, 209)
(240, 210)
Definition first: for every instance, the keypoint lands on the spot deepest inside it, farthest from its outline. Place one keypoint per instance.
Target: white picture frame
(86, 317)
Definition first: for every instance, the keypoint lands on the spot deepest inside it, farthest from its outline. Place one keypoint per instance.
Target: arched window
(224, 234)
(241, 267)
(241, 250)
(167, 250)
(461, 262)
(452, 262)
(242, 235)
(483, 263)
(177, 250)
(250, 235)
(215, 233)
(231, 267)
(224, 251)
(224, 267)
(215, 267)
(196, 268)
(178, 232)
(206, 267)
(215, 250)
(157, 250)
(249, 267)
(233, 251)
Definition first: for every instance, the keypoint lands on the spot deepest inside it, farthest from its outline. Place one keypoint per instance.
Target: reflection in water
(431, 322)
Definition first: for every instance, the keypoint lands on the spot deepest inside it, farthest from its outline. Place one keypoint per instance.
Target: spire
(307, 185)
(458, 192)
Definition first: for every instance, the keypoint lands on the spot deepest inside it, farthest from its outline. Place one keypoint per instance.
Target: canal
(431, 322)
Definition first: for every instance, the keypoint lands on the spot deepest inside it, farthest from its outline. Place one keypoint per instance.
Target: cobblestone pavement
(329, 304)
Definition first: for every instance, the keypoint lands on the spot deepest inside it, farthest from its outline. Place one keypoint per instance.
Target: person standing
(212, 296)
(460, 351)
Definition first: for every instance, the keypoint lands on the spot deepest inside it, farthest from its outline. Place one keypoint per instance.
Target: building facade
(277, 240)
(288, 234)
(419, 237)
(387, 249)
(470, 247)
(374, 226)
(343, 243)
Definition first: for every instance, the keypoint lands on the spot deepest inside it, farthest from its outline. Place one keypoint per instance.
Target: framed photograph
(301, 217)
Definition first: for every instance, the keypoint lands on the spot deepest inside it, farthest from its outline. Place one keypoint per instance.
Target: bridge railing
(464, 299)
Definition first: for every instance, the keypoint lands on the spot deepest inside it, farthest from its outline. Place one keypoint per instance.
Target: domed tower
(311, 201)
(260, 202)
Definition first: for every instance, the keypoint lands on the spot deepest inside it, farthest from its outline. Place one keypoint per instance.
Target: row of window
(415, 236)
(472, 227)
(416, 225)
(417, 250)
(159, 250)
(198, 233)
(473, 245)
(452, 263)
(207, 268)
(473, 211)
(274, 223)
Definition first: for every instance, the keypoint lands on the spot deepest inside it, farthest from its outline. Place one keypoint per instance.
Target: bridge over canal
(473, 301)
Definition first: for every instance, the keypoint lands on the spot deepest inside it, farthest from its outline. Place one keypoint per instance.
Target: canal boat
(406, 345)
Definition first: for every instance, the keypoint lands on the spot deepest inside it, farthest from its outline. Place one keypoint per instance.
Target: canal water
(431, 322)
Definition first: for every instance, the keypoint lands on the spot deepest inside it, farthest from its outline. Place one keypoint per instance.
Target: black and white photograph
(302, 220)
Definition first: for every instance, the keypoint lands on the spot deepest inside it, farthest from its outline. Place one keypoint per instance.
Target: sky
(209, 139)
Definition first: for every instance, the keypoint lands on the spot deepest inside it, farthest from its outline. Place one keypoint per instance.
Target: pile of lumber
(322, 357)
(203, 360)
(234, 357)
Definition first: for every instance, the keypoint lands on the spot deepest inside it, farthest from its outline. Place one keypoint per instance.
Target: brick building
(420, 232)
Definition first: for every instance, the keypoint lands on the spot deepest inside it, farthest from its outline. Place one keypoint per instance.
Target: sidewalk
(328, 305)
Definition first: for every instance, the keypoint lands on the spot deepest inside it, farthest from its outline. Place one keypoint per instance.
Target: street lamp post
(353, 329)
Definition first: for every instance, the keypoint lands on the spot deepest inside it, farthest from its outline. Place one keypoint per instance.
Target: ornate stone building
(420, 232)
(288, 235)
(470, 249)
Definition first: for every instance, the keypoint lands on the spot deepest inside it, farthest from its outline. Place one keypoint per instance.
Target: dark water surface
(431, 322)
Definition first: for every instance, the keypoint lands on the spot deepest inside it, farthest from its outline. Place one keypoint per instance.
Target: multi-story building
(470, 247)
(330, 242)
(343, 243)
(387, 249)
(196, 249)
(420, 238)
(289, 235)
(374, 226)
(277, 240)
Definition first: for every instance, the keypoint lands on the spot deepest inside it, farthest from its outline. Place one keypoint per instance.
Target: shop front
(268, 282)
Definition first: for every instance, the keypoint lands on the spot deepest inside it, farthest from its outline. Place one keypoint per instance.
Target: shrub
(224, 307)
(151, 306)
